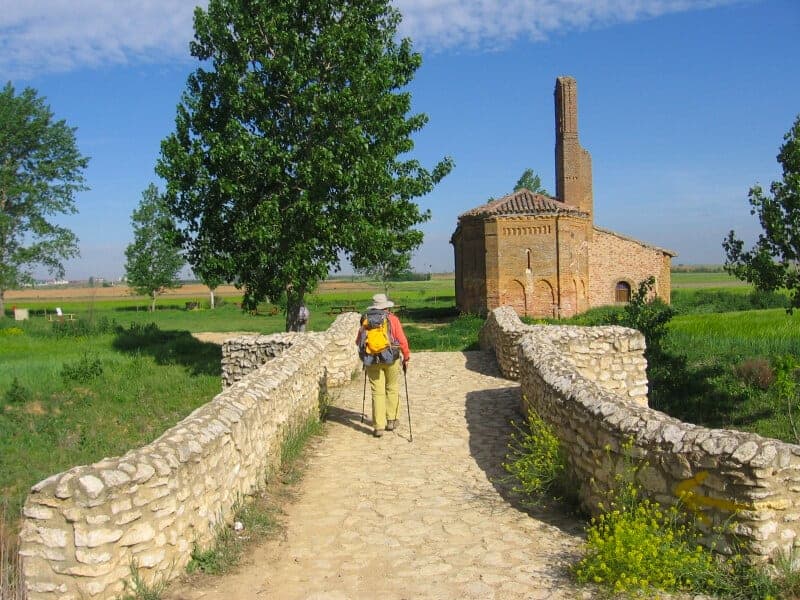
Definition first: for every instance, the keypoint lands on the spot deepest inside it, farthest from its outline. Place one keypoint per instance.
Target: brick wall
(614, 258)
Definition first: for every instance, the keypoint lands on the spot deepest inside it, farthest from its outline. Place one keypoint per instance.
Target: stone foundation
(597, 409)
(83, 529)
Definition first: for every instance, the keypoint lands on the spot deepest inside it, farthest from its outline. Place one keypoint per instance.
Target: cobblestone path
(398, 519)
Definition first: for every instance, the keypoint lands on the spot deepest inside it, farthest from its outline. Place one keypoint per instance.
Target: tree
(286, 153)
(773, 262)
(41, 170)
(530, 181)
(387, 268)
(153, 259)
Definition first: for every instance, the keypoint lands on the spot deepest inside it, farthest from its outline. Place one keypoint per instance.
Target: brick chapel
(543, 255)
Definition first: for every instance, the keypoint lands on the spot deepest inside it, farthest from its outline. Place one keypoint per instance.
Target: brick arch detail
(543, 299)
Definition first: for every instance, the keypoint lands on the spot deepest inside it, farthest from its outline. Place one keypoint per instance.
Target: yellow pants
(384, 381)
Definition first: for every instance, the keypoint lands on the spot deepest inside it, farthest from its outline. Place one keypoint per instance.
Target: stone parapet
(611, 356)
(747, 483)
(242, 355)
(84, 529)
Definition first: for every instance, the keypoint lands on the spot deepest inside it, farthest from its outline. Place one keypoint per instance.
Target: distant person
(303, 314)
(382, 344)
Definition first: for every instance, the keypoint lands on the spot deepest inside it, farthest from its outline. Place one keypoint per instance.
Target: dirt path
(398, 519)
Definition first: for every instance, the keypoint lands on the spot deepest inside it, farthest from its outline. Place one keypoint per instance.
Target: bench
(62, 317)
(342, 308)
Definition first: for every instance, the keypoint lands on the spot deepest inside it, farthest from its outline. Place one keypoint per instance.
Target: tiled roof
(523, 202)
(630, 239)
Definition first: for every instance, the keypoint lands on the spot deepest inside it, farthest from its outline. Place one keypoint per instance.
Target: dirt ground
(193, 290)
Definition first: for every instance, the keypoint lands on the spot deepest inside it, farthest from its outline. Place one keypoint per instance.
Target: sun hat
(381, 301)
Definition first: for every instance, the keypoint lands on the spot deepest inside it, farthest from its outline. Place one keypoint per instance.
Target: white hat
(381, 301)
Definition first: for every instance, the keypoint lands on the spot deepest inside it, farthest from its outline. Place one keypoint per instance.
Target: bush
(83, 370)
(648, 315)
(17, 393)
(755, 372)
(536, 460)
(636, 545)
(9, 331)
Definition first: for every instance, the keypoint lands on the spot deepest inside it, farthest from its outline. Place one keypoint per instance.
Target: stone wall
(84, 528)
(751, 483)
(242, 355)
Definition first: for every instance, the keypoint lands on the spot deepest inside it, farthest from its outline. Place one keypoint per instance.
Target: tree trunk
(211, 294)
(2, 304)
(153, 303)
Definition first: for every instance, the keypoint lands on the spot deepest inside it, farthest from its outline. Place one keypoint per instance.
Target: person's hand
(405, 365)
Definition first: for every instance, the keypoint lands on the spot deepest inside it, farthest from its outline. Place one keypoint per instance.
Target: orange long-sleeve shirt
(397, 333)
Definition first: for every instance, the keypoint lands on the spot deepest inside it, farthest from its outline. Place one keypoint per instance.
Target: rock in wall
(744, 482)
(83, 529)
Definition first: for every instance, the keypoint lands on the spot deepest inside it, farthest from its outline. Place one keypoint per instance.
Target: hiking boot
(391, 424)
(377, 433)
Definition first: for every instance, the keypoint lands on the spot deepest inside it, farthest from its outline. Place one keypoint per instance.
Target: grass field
(681, 279)
(73, 393)
(116, 378)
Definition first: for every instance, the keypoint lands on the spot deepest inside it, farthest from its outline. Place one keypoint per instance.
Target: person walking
(384, 349)
(303, 315)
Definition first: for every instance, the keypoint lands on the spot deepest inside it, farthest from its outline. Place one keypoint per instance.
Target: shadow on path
(349, 418)
(489, 415)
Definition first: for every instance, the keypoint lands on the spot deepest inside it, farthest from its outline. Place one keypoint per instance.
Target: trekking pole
(364, 399)
(408, 406)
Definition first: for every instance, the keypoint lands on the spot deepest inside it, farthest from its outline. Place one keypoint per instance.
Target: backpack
(376, 338)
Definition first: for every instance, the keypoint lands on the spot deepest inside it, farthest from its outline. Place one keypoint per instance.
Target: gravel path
(398, 519)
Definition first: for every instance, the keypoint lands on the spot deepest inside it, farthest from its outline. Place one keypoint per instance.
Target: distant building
(543, 255)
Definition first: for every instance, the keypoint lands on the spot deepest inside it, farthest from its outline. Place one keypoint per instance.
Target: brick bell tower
(573, 163)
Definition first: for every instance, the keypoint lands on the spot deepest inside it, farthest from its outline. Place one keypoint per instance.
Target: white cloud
(50, 36)
(485, 24)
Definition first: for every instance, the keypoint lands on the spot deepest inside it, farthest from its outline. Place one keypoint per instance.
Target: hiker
(303, 315)
(382, 344)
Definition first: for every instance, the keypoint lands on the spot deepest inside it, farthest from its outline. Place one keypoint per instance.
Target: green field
(682, 279)
(119, 376)
(116, 378)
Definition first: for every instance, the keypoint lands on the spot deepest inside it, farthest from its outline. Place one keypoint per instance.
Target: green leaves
(41, 169)
(530, 181)
(773, 262)
(285, 157)
(153, 259)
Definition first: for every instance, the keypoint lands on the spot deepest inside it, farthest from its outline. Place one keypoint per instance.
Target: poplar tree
(291, 144)
(153, 259)
(41, 170)
(774, 261)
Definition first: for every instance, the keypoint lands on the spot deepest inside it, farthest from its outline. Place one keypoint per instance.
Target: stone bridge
(392, 517)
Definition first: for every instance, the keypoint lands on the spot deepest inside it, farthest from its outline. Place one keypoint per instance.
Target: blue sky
(683, 105)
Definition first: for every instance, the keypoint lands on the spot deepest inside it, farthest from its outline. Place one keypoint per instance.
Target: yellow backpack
(376, 338)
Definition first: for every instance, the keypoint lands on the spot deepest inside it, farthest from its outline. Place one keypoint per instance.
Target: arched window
(623, 292)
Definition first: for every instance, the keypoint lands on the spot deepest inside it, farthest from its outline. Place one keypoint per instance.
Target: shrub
(536, 460)
(83, 370)
(650, 315)
(636, 545)
(755, 372)
(17, 393)
(786, 388)
(9, 331)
